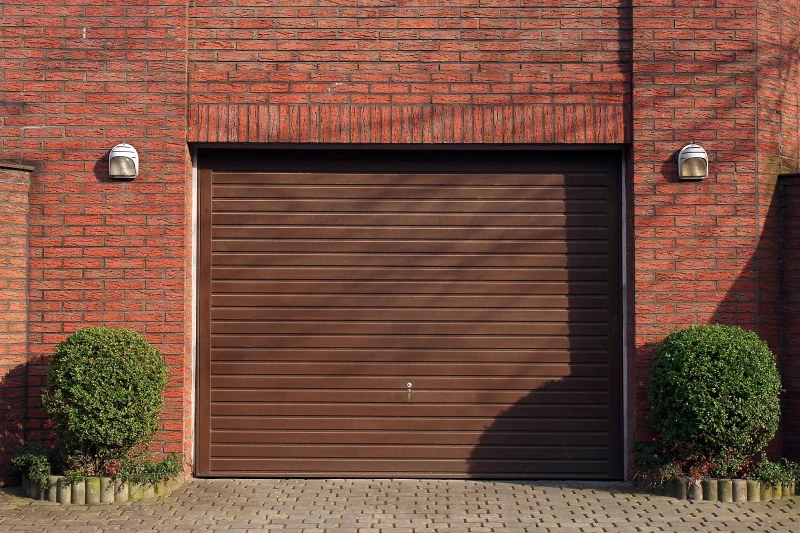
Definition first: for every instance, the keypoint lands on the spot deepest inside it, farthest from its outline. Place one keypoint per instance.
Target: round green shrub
(104, 391)
(714, 393)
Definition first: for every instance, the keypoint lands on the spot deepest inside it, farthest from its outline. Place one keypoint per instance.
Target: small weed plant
(142, 467)
(35, 462)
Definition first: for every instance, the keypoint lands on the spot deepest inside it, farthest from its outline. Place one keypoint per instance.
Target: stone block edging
(719, 490)
(95, 490)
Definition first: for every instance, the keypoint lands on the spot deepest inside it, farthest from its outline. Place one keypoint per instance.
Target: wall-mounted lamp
(692, 162)
(123, 162)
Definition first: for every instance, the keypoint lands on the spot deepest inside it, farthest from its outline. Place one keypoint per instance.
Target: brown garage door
(409, 314)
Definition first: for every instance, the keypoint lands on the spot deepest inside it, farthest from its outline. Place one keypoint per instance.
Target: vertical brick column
(695, 243)
(724, 75)
(77, 78)
(779, 115)
(14, 188)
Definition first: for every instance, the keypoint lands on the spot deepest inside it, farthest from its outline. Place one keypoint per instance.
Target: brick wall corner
(14, 209)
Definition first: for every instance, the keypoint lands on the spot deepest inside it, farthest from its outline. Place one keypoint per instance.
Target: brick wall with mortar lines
(76, 78)
(694, 80)
(719, 73)
(14, 188)
(417, 71)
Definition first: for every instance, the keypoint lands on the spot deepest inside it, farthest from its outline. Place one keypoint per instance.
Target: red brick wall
(14, 186)
(420, 71)
(76, 78)
(718, 73)
(694, 80)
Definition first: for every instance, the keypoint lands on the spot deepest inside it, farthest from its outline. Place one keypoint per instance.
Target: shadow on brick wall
(736, 279)
(761, 296)
(12, 419)
(100, 168)
(741, 279)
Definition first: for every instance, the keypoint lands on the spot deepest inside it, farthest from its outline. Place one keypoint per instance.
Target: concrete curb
(719, 490)
(95, 490)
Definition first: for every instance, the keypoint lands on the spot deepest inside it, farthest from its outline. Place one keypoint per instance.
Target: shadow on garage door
(388, 313)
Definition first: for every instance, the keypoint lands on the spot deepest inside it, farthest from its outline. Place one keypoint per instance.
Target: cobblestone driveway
(327, 506)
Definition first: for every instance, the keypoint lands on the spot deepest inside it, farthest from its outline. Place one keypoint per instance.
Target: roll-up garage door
(409, 314)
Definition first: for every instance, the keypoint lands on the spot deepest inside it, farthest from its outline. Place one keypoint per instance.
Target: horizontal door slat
(562, 316)
(453, 191)
(468, 453)
(526, 383)
(412, 301)
(409, 424)
(407, 288)
(229, 368)
(439, 180)
(400, 341)
(361, 356)
(404, 328)
(541, 259)
(228, 236)
(409, 409)
(521, 204)
(409, 219)
(429, 438)
(260, 249)
(419, 396)
(440, 275)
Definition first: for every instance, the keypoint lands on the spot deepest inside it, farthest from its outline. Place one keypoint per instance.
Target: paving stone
(359, 506)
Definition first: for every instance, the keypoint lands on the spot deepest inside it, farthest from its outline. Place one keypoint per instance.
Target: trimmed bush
(714, 394)
(104, 392)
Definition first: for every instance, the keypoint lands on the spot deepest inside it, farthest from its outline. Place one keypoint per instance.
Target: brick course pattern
(416, 52)
(376, 124)
(14, 188)
(723, 74)
(428, 71)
